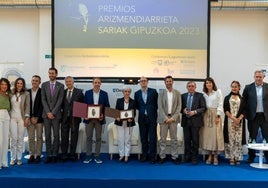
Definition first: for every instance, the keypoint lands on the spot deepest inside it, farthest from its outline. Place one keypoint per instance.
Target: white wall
(25, 39)
(239, 42)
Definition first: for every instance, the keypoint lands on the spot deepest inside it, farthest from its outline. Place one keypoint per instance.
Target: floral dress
(234, 149)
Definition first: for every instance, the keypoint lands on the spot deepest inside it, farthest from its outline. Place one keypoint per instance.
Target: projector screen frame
(113, 79)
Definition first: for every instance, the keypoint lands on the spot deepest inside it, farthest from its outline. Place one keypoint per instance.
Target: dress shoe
(72, 158)
(38, 159)
(176, 161)
(48, 160)
(250, 160)
(194, 161)
(31, 159)
(63, 158)
(54, 159)
(143, 159)
(186, 160)
(161, 161)
(153, 160)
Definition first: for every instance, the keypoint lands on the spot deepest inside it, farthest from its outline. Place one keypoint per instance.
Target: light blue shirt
(144, 97)
(259, 99)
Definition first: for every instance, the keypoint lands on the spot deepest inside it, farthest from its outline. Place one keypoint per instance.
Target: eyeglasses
(143, 80)
(127, 91)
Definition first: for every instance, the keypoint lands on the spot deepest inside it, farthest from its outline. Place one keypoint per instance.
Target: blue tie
(189, 102)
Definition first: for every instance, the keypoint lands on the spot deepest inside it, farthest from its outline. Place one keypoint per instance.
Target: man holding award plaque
(97, 100)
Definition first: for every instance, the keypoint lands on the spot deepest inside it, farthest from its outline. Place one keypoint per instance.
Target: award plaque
(94, 112)
(126, 114)
(111, 112)
(79, 109)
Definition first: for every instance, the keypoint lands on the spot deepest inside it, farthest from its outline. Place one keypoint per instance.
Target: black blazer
(150, 106)
(131, 106)
(37, 109)
(77, 95)
(226, 107)
(198, 104)
(250, 100)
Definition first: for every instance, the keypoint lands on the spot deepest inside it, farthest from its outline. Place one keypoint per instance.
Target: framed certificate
(126, 114)
(94, 112)
(79, 109)
(111, 112)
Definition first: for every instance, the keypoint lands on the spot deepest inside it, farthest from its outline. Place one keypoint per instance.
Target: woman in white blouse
(212, 132)
(20, 113)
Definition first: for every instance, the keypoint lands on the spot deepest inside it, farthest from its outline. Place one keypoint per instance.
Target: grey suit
(52, 103)
(163, 115)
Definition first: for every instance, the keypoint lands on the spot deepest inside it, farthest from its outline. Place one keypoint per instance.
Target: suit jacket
(120, 106)
(103, 101)
(250, 100)
(198, 104)
(52, 103)
(150, 106)
(67, 107)
(163, 106)
(24, 104)
(37, 109)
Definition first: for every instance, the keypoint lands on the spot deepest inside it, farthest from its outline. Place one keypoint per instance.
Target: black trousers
(253, 127)
(72, 124)
(148, 137)
(191, 140)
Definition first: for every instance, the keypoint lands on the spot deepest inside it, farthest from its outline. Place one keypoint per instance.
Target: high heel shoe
(208, 161)
(121, 158)
(126, 159)
(232, 162)
(215, 160)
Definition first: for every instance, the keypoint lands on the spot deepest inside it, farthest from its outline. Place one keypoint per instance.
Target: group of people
(50, 107)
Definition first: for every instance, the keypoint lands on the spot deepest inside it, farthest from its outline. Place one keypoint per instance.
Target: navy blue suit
(147, 122)
(103, 101)
(256, 119)
(93, 123)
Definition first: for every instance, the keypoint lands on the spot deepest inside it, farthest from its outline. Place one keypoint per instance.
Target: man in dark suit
(95, 96)
(52, 96)
(193, 107)
(256, 110)
(69, 122)
(35, 128)
(146, 103)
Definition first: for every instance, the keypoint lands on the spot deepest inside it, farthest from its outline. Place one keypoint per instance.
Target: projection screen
(131, 38)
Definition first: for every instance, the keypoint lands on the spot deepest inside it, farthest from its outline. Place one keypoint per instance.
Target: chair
(113, 145)
(81, 142)
(179, 137)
